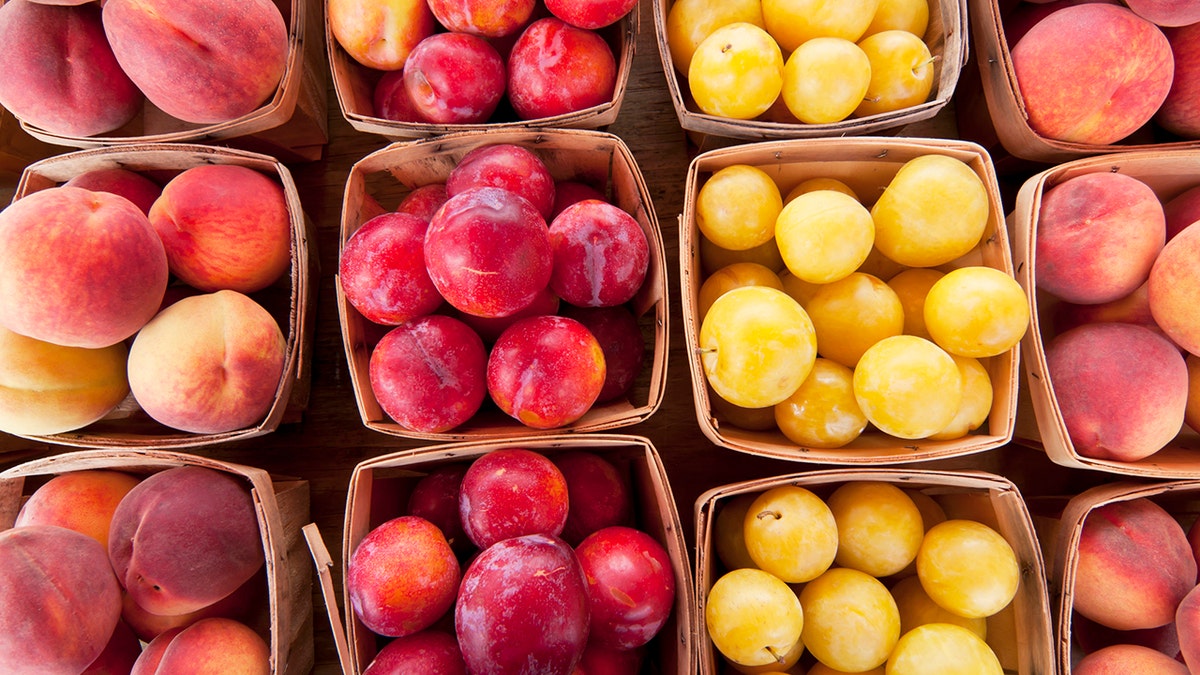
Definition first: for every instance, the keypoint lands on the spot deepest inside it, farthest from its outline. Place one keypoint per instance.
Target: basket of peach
(154, 296)
(502, 283)
(1111, 357)
(850, 300)
(858, 570)
(552, 554)
(769, 70)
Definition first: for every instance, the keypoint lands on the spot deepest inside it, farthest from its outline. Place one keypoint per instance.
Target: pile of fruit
(100, 561)
(145, 290)
(824, 315)
(862, 576)
(516, 283)
(456, 62)
(513, 561)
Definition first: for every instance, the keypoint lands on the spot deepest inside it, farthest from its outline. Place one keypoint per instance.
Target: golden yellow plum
(911, 286)
(917, 609)
(690, 21)
(825, 80)
(819, 183)
(942, 649)
(823, 412)
(976, 399)
(851, 622)
(852, 314)
(736, 208)
(909, 15)
(753, 618)
(793, 22)
(879, 527)
(824, 235)
(736, 72)
(968, 568)
(729, 539)
(800, 290)
(713, 257)
(976, 312)
(908, 387)
(790, 532)
(730, 277)
(901, 72)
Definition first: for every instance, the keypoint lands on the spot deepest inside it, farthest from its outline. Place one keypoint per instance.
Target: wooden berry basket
(1006, 107)
(290, 300)
(946, 37)
(283, 508)
(292, 125)
(379, 488)
(1168, 173)
(976, 495)
(1062, 523)
(354, 86)
(866, 164)
(380, 180)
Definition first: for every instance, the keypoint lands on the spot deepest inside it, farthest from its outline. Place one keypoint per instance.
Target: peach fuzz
(1092, 73)
(1166, 12)
(78, 268)
(1180, 111)
(48, 389)
(207, 647)
(185, 538)
(83, 501)
(224, 227)
(1133, 565)
(59, 600)
(60, 73)
(1175, 289)
(1126, 659)
(1098, 234)
(208, 364)
(135, 187)
(1133, 308)
(379, 34)
(1121, 389)
(204, 61)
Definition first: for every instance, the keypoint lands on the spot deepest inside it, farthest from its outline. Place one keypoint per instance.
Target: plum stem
(769, 514)
(932, 59)
(770, 650)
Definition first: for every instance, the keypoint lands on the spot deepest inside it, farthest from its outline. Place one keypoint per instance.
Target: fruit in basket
(736, 210)
(382, 270)
(911, 286)
(976, 405)
(688, 22)
(1187, 623)
(714, 257)
(216, 645)
(825, 80)
(976, 311)
(793, 22)
(824, 235)
(630, 585)
(119, 655)
(909, 15)
(942, 649)
(65, 576)
(934, 210)
(1133, 308)
(48, 389)
(491, 327)
(546, 371)
(599, 494)
(429, 373)
(488, 251)
(1133, 565)
(83, 501)
(736, 72)
(902, 72)
(907, 386)
(968, 568)
(202, 61)
(822, 412)
(134, 186)
(424, 201)
(379, 34)
(429, 651)
(851, 314)
(523, 608)
(391, 101)
(791, 533)
(486, 18)
(733, 275)
(1166, 12)
(208, 364)
(248, 604)
(879, 527)
(1121, 389)
(917, 609)
(621, 341)
(605, 661)
(1092, 73)
(511, 492)
(601, 255)
(454, 78)
(591, 14)
(1097, 236)
(557, 69)
(1179, 112)
(224, 226)
(435, 498)
(512, 167)
(78, 268)
(62, 74)
(1174, 289)
(402, 577)
(1124, 658)
(754, 619)
(741, 366)
(1192, 412)
(568, 192)
(184, 538)
(851, 622)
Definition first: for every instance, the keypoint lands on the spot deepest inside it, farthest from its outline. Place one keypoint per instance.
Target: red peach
(1174, 289)
(1187, 624)
(134, 186)
(213, 646)
(248, 604)
(556, 69)
(1133, 308)
(1166, 12)
(1180, 111)
(83, 501)
(382, 269)
(1182, 210)
(1126, 659)
(119, 655)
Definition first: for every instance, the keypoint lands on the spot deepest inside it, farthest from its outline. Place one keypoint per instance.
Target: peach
(184, 538)
(59, 600)
(203, 61)
(248, 604)
(1175, 289)
(1121, 389)
(119, 655)
(1026, 15)
(1125, 659)
(207, 647)
(1092, 73)
(1091, 636)
(1180, 112)
(1187, 627)
(208, 364)
(136, 187)
(379, 34)
(1166, 12)
(1182, 210)
(1133, 308)
(1133, 565)
(83, 501)
(1098, 234)
(486, 18)
(224, 227)
(78, 268)
(61, 75)
(556, 68)
(48, 389)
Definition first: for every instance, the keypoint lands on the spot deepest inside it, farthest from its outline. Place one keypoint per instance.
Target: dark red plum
(435, 498)
(424, 201)
(454, 78)
(599, 494)
(382, 270)
(631, 586)
(511, 492)
(429, 652)
(620, 337)
(601, 255)
(509, 166)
